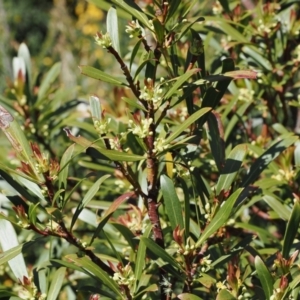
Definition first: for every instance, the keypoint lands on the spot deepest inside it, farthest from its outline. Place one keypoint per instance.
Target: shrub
(182, 185)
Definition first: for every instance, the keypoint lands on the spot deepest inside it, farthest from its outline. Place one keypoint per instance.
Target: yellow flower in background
(89, 16)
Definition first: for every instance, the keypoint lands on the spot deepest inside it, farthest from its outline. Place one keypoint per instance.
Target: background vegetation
(166, 166)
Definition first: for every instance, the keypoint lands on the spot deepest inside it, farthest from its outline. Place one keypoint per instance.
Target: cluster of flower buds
(103, 40)
(134, 29)
(153, 93)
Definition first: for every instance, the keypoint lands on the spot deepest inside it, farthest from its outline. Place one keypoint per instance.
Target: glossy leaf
(56, 283)
(160, 252)
(187, 296)
(64, 166)
(8, 242)
(232, 167)
(264, 276)
(189, 121)
(112, 28)
(171, 202)
(179, 82)
(100, 75)
(50, 77)
(92, 268)
(291, 231)
(113, 155)
(13, 252)
(88, 197)
(225, 295)
(220, 218)
(114, 206)
(141, 258)
(268, 156)
(216, 139)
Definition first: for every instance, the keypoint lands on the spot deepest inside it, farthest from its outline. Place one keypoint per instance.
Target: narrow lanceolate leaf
(113, 155)
(189, 121)
(216, 139)
(9, 242)
(56, 283)
(231, 168)
(171, 202)
(13, 252)
(291, 231)
(100, 75)
(64, 167)
(88, 197)
(112, 28)
(179, 82)
(99, 274)
(220, 218)
(141, 258)
(263, 161)
(18, 141)
(160, 252)
(50, 77)
(134, 10)
(264, 276)
(114, 206)
(96, 109)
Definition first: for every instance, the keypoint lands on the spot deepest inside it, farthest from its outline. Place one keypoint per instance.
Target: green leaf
(225, 295)
(297, 154)
(127, 234)
(220, 218)
(282, 210)
(131, 8)
(18, 187)
(232, 166)
(134, 52)
(187, 296)
(114, 206)
(13, 252)
(112, 28)
(216, 139)
(96, 109)
(189, 121)
(88, 197)
(171, 202)
(64, 167)
(140, 259)
(100, 75)
(8, 242)
(268, 156)
(56, 283)
(291, 231)
(210, 98)
(224, 25)
(134, 103)
(92, 268)
(45, 86)
(113, 155)
(179, 82)
(160, 252)
(159, 30)
(264, 276)
(19, 142)
(225, 6)
(237, 117)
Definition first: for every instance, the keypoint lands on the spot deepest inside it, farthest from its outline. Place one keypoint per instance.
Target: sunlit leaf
(264, 276)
